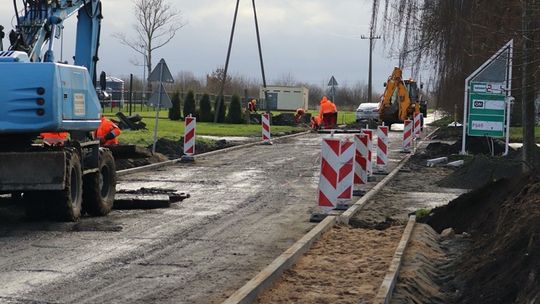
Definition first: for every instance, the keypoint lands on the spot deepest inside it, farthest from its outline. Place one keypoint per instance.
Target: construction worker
(54, 138)
(107, 133)
(252, 106)
(327, 112)
(315, 122)
(298, 115)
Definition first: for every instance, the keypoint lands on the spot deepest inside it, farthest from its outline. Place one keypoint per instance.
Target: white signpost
(486, 106)
(160, 98)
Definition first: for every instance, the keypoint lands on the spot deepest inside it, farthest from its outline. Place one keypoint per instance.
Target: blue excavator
(39, 94)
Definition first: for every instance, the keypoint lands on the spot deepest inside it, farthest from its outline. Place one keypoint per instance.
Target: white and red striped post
(346, 172)
(382, 148)
(369, 164)
(407, 135)
(328, 179)
(360, 161)
(417, 119)
(265, 122)
(189, 136)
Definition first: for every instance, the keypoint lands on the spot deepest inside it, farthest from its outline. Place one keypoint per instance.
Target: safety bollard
(417, 119)
(407, 136)
(328, 179)
(382, 149)
(346, 174)
(360, 162)
(369, 133)
(189, 139)
(265, 123)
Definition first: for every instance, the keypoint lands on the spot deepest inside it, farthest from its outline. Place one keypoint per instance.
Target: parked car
(367, 111)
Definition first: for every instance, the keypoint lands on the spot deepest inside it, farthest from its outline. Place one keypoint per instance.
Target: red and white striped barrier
(382, 148)
(328, 179)
(369, 164)
(346, 173)
(417, 119)
(266, 127)
(189, 136)
(407, 135)
(360, 161)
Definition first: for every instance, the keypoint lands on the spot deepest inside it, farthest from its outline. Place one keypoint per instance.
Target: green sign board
(487, 109)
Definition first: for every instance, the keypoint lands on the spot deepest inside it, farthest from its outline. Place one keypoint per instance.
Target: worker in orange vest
(328, 112)
(54, 138)
(298, 115)
(252, 106)
(315, 122)
(107, 133)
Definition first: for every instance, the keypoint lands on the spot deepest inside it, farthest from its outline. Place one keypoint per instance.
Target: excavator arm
(395, 105)
(40, 21)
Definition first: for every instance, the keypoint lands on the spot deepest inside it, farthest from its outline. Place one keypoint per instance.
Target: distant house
(284, 98)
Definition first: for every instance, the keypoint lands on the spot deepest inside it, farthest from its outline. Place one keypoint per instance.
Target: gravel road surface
(246, 207)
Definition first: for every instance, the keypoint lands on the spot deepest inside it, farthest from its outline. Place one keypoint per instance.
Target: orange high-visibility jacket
(326, 107)
(109, 131)
(54, 138)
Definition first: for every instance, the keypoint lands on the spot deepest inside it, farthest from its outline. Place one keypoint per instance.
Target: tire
(68, 202)
(99, 188)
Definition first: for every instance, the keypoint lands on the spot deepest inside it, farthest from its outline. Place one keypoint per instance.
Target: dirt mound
(502, 264)
(175, 149)
(122, 164)
(480, 170)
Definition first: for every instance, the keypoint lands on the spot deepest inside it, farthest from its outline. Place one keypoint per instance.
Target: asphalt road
(246, 207)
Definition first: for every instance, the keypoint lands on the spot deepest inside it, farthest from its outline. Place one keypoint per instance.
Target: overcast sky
(308, 39)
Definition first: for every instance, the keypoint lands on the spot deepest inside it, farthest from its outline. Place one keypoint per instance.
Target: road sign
(487, 90)
(487, 110)
(332, 91)
(160, 98)
(161, 73)
(332, 82)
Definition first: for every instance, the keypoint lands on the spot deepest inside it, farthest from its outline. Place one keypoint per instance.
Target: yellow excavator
(401, 99)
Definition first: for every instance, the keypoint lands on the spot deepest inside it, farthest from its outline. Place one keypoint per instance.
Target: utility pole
(528, 26)
(261, 57)
(371, 38)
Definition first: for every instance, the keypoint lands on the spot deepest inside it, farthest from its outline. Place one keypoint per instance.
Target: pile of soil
(175, 149)
(167, 149)
(287, 119)
(502, 264)
(480, 170)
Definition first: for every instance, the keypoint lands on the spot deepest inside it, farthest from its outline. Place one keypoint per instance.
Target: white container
(284, 98)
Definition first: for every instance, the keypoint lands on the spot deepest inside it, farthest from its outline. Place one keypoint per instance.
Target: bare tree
(156, 25)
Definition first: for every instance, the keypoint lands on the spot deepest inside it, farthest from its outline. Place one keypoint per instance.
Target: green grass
(175, 129)
(516, 134)
(344, 117)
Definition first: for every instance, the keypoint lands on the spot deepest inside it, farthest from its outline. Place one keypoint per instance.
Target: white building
(283, 98)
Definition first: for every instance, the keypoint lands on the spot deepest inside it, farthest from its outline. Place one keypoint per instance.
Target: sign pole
(465, 122)
(158, 106)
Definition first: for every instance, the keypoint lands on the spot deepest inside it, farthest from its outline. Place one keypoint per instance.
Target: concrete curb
(251, 290)
(387, 287)
(202, 155)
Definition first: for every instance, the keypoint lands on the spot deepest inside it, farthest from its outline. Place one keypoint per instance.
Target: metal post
(130, 93)
(158, 105)
(218, 102)
(464, 126)
(261, 57)
(528, 83)
(370, 83)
